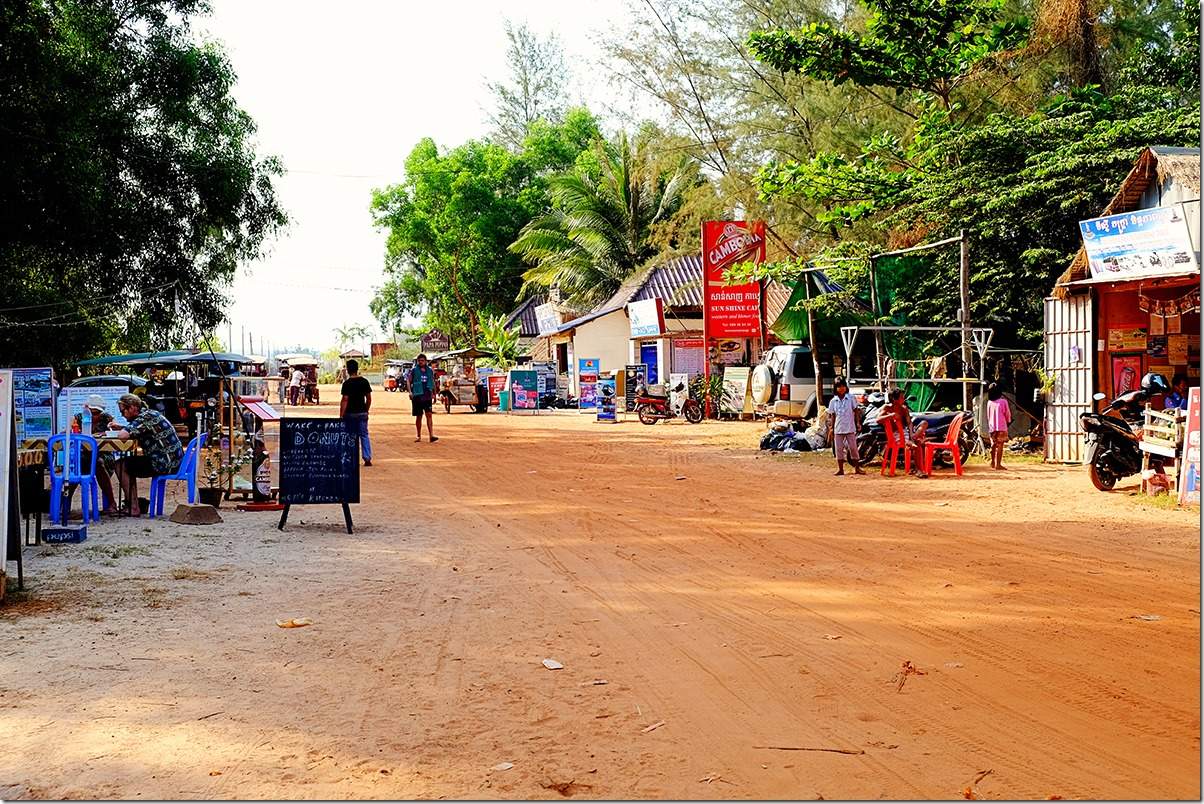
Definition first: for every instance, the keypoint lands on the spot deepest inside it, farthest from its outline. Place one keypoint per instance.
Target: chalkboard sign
(319, 465)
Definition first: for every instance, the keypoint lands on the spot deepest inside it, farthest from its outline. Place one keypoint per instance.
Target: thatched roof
(1159, 162)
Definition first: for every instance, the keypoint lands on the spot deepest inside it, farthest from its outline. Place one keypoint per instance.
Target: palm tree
(598, 231)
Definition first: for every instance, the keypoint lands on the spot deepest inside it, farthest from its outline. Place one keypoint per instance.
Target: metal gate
(1070, 357)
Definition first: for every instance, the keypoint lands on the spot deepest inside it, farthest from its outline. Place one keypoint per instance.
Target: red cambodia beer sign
(731, 311)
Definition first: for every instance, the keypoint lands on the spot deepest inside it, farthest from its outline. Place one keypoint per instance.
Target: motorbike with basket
(653, 407)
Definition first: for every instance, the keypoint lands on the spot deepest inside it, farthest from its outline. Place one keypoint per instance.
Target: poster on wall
(735, 389)
(524, 389)
(1146, 242)
(1126, 339)
(1189, 471)
(607, 399)
(1176, 349)
(633, 377)
(1126, 373)
(688, 356)
(729, 352)
(1156, 346)
(33, 403)
(587, 383)
(731, 311)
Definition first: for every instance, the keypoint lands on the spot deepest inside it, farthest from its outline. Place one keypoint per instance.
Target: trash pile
(789, 437)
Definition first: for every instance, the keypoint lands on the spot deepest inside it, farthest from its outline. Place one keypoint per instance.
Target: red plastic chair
(895, 442)
(950, 443)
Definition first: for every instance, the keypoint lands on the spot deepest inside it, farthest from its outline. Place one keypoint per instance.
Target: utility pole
(242, 333)
(964, 318)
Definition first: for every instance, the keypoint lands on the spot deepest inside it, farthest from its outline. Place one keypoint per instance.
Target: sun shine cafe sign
(731, 311)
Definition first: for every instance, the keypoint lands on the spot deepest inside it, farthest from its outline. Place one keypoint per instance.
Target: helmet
(1155, 384)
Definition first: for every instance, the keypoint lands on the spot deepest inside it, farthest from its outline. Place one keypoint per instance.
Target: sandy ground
(745, 603)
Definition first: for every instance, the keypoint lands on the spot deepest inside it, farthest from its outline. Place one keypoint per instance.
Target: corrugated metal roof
(588, 317)
(524, 315)
(677, 280)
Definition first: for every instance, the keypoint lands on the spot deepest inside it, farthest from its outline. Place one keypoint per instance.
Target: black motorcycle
(871, 439)
(1114, 443)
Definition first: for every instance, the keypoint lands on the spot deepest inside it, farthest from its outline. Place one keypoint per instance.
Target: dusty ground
(738, 600)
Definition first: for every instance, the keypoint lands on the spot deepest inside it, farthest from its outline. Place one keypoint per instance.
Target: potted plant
(1046, 380)
(216, 469)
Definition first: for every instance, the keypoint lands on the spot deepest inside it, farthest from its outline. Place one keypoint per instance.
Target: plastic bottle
(86, 421)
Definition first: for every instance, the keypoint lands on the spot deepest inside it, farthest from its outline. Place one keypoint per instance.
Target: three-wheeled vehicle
(308, 365)
(396, 372)
(456, 376)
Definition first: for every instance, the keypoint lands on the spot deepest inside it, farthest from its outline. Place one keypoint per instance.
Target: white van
(785, 380)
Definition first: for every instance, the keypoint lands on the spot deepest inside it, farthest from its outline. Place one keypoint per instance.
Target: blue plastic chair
(186, 472)
(68, 469)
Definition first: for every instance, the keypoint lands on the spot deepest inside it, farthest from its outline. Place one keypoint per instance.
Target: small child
(919, 435)
(999, 416)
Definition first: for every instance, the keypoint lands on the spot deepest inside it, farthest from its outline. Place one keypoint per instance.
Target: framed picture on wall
(1126, 373)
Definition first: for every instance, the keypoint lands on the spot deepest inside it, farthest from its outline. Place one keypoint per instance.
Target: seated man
(161, 449)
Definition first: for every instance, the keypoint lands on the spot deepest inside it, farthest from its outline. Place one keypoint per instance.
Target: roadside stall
(456, 377)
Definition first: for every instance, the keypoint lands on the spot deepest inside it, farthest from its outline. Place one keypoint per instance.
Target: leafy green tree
(600, 228)
(129, 181)
(452, 219)
(536, 87)
(928, 46)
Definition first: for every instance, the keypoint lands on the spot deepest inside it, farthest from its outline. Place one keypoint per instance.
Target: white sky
(342, 92)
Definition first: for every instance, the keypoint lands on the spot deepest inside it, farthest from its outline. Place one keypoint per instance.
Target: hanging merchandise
(1189, 302)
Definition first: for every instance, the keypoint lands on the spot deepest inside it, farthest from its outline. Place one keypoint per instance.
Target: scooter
(1114, 443)
(871, 439)
(653, 408)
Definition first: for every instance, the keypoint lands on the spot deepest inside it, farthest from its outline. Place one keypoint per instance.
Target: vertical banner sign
(731, 311)
(607, 398)
(524, 389)
(677, 399)
(633, 377)
(1189, 471)
(648, 356)
(587, 383)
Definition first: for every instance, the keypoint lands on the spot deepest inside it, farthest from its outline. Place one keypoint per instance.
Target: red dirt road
(739, 600)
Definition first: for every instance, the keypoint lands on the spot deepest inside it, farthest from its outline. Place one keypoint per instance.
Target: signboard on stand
(524, 389)
(1189, 471)
(497, 383)
(319, 465)
(735, 389)
(587, 383)
(33, 403)
(71, 402)
(633, 377)
(607, 397)
(1145, 242)
(677, 399)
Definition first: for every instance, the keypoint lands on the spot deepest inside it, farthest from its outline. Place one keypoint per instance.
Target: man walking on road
(353, 409)
(842, 427)
(422, 397)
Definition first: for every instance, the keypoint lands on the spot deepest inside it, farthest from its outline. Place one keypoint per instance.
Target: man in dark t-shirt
(357, 399)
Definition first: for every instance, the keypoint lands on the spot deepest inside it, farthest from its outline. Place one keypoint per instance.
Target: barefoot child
(999, 416)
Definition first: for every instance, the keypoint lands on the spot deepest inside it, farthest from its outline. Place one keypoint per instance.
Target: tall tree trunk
(472, 315)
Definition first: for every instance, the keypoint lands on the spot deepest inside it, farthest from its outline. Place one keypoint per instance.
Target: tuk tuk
(456, 377)
(308, 365)
(396, 372)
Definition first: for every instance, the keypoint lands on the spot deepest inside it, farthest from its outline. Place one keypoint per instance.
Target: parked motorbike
(1114, 443)
(871, 439)
(652, 408)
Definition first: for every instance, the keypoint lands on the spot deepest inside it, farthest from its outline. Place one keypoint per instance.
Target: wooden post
(965, 318)
(814, 341)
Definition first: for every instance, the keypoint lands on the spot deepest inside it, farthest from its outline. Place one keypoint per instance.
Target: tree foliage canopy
(129, 180)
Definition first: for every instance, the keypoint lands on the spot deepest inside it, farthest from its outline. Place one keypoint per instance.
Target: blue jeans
(358, 423)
